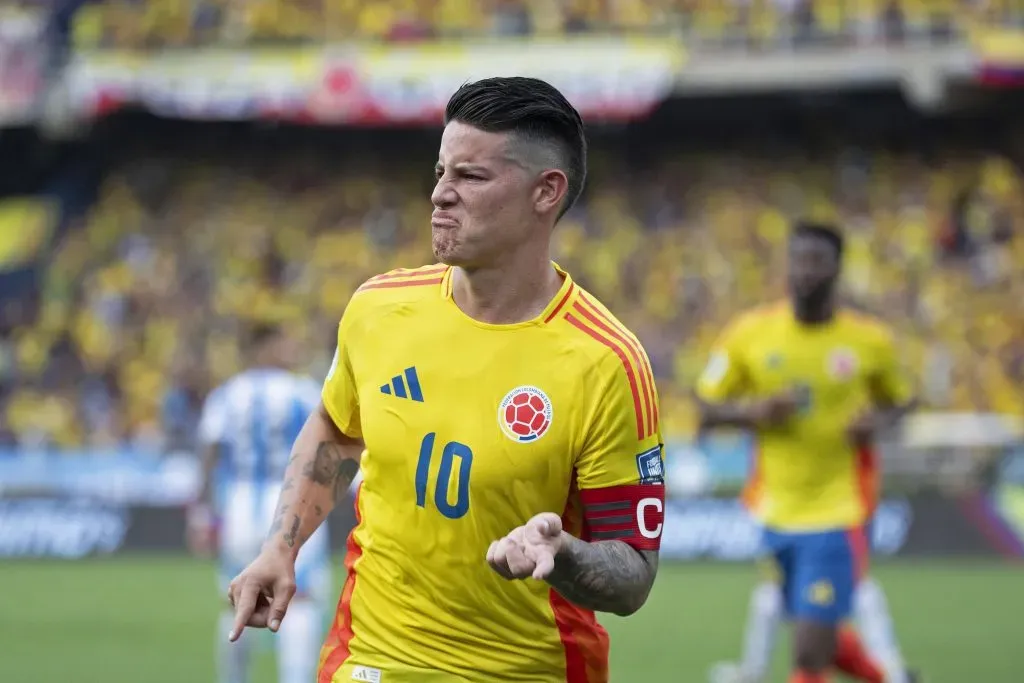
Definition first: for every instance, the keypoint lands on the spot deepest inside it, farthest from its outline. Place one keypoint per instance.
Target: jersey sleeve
(725, 375)
(339, 394)
(213, 419)
(890, 384)
(620, 469)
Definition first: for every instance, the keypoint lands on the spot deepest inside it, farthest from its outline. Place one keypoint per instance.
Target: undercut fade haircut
(824, 231)
(532, 111)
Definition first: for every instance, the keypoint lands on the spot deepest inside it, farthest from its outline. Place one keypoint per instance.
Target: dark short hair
(531, 109)
(826, 231)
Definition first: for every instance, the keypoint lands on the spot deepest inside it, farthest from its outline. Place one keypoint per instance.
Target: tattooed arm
(604, 576)
(323, 464)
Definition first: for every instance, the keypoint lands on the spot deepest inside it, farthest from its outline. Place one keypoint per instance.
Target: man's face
(483, 201)
(813, 267)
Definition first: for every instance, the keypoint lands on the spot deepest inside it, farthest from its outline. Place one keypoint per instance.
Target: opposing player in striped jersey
(506, 425)
(247, 427)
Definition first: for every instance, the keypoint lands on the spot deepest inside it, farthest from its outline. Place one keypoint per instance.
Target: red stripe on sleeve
(592, 316)
(639, 357)
(637, 406)
(399, 283)
(633, 514)
(408, 272)
(336, 645)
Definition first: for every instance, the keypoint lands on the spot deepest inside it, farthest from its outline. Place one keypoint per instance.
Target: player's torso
(470, 431)
(808, 470)
(265, 412)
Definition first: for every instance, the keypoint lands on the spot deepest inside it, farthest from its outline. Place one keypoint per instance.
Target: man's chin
(448, 254)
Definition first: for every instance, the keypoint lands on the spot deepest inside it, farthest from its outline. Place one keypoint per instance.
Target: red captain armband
(633, 514)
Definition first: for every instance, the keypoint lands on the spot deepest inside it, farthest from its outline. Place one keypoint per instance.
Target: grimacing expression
(813, 266)
(483, 200)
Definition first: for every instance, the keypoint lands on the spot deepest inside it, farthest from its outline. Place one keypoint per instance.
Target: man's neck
(513, 292)
(814, 315)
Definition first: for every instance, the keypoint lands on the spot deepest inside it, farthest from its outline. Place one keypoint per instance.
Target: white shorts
(247, 511)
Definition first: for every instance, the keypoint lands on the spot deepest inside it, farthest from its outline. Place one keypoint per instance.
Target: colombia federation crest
(524, 415)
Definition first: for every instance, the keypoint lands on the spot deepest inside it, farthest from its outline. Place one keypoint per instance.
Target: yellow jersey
(470, 430)
(807, 475)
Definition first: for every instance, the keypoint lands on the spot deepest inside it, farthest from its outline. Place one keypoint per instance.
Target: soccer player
(506, 425)
(816, 383)
(246, 430)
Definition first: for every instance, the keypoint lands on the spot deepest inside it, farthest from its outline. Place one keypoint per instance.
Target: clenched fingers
(497, 560)
(543, 558)
(284, 590)
(506, 556)
(519, 564)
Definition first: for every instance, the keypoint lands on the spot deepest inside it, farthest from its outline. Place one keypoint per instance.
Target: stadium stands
(729, 23)
(144, 305)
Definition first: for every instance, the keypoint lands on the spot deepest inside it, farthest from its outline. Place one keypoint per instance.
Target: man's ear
(552, 188)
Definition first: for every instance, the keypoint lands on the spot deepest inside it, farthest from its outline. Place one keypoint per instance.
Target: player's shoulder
(603, 340)
(230, 389)
(243, 378)
(296, 383)
(756, 318)
(216, 396)
(398, 286)
(866, 327)
(403, 283)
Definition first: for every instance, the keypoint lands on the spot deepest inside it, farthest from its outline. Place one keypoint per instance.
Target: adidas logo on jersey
(406, 385)
(366, 674)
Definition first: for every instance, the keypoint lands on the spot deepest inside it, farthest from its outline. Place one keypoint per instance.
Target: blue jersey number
(451, 451)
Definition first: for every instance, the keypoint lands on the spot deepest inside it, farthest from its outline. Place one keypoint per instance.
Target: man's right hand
(261, 593)
(774, 410)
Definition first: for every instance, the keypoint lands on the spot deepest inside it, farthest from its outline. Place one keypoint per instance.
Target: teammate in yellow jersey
(816, 383)
(505, 424)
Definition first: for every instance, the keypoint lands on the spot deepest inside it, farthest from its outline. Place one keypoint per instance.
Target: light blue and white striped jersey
(255, 417)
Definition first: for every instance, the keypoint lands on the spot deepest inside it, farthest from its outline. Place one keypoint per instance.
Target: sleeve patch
(650, 466)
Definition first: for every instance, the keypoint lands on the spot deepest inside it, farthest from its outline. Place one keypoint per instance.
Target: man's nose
(443, 196)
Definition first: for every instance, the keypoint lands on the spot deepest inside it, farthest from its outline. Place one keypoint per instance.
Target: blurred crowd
(149, 296)
(751, 23)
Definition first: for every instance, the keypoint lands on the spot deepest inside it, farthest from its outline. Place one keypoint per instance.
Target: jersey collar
(550, 313)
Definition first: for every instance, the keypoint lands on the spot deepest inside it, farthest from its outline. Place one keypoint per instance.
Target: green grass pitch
(152, 620)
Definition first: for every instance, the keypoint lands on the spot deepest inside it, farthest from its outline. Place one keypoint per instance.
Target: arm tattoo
(604, 576)
(293, 533)
(278, 522)
(331, 468)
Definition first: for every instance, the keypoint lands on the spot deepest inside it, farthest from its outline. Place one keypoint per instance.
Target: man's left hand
(528, 550)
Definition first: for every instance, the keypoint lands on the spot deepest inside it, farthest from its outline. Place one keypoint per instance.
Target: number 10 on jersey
(452, 451)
